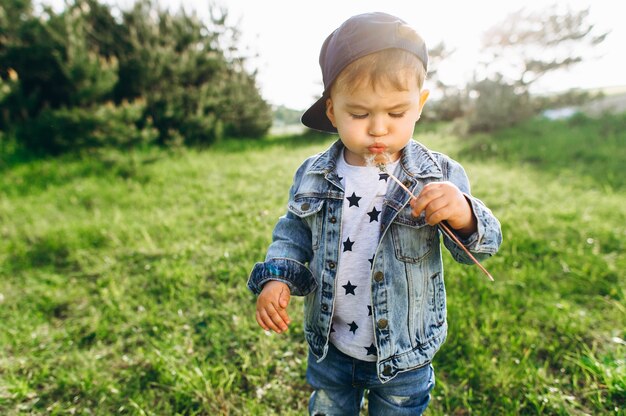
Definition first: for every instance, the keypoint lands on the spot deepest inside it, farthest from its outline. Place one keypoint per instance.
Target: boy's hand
(271, 306)
(443, 201)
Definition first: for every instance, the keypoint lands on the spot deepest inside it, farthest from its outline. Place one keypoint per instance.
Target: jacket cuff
(485, 239)
(291, 272)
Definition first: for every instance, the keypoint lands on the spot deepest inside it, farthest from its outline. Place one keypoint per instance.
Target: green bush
(61, 130)
(495, 104)
(451, 106)
(58, 71)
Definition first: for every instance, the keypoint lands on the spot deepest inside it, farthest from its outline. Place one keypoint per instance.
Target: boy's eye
(358, 116)
(397, 115)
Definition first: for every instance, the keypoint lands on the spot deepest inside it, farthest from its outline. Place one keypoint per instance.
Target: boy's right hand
(271, 306)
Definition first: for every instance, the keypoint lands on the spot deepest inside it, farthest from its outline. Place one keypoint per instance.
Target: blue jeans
(340, 382)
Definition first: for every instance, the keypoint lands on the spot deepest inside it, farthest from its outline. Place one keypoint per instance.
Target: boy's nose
(377, 127)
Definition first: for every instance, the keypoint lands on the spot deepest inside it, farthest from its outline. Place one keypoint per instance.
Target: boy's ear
(423, 97)
(330, 113)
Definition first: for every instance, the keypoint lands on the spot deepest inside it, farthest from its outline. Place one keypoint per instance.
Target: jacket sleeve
(486, 241)
(288, 254)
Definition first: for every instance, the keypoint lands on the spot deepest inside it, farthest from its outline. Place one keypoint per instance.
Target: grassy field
(123, 279)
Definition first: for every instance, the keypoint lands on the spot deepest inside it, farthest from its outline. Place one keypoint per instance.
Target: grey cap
(358, 36)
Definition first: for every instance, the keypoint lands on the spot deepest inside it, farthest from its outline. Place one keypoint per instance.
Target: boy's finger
(437, 211)
(436, 204)
(419, 206)
(420, 203)
(284, 315)
(269, 322)
(280, 309)
(284, 298)
(425, 197)
(260, 321)
(276, 317)
(436, 217)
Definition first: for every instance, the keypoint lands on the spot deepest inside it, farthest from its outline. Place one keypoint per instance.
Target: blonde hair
(395, 67)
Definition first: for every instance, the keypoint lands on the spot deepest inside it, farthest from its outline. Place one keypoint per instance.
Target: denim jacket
(407, 285)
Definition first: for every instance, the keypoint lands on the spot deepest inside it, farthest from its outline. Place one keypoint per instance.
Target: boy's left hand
(443, 201)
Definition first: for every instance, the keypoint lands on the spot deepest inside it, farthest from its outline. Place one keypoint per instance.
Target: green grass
(123, 280)
(591, 148)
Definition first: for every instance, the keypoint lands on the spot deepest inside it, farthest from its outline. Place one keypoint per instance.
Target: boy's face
(375, 121)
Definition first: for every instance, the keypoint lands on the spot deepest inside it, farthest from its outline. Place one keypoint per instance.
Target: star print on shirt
(369, 310)
(371, 261)
(353, 327)
(371, 350)
(339, 178)
(347, 245)
(332, 328)
(349, 288)
(354, 200)
(383, 177)
(374, 214)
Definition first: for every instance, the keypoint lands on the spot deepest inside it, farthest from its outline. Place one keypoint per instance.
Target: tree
(520, 50)
(526, 45)
(193, 79)
(495, 104)
(88, 69)
(449, 102)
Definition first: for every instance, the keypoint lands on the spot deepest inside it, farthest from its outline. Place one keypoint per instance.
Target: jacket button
(387, 370)
(325, 307)
(331, 264)
(305, 206)
(382, 323)
(407, 183)
(333, 220)
(378, 276)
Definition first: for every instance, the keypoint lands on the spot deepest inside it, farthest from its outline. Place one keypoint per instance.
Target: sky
(286, 35)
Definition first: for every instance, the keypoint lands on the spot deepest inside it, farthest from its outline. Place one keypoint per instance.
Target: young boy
(364, 253)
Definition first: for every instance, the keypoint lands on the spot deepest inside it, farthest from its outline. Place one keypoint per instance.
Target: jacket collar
(416, 161)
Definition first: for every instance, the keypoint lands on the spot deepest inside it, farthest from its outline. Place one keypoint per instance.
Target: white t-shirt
(352, 330)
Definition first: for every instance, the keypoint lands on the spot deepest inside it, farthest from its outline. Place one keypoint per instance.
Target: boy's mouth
(377, 148)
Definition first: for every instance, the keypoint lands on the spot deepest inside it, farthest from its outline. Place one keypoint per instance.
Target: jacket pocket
(434, 308)
(413, 238)
(439, 298)
(309, 210)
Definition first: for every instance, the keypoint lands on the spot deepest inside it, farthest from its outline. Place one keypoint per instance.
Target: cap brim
(315, 117)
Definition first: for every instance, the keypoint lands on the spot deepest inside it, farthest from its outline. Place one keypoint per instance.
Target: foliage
(28, 55)
(520, 50)
(57, 131)
(570, 98)
(286, 116)
(436, 55)
(451, 102)
(495, 105)
(188, 73)
(189, 84)
(122, 281)
(450, 106)
(582, 146)
(528, 44)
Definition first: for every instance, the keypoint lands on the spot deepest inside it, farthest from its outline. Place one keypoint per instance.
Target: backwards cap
(358, 36)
